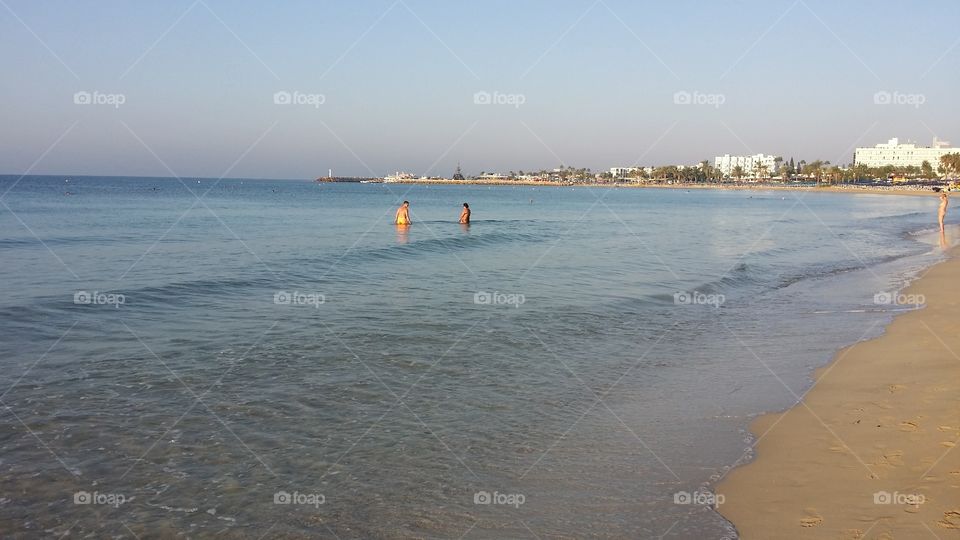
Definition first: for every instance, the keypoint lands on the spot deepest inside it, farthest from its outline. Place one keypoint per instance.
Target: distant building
(903, 155)
(727, 163)
(399, 177)
(624, 172)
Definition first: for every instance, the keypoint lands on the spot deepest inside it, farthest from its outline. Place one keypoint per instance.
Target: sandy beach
(870, 450)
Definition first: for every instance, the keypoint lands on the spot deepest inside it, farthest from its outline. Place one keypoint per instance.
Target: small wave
(866, 310)
(897, 217)
(444, 245)
(198, 288)
(740, 275)
(14, 243)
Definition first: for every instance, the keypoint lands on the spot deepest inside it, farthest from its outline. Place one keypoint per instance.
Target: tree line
(818, 170)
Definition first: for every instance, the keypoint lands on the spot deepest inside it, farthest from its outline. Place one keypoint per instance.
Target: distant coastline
(913, 189)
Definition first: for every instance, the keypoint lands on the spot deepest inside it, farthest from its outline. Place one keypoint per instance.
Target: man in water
(403, 214)
(942, 212)
(465, 215)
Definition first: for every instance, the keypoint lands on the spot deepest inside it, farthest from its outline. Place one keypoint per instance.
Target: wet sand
(870, 451)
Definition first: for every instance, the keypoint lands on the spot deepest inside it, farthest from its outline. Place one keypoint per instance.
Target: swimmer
(403, 214)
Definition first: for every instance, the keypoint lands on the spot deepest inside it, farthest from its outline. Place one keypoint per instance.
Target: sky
(211, 88)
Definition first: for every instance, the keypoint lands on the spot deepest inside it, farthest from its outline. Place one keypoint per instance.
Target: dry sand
(878, 431)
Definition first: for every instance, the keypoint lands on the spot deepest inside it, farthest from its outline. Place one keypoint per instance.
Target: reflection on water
(403, 234)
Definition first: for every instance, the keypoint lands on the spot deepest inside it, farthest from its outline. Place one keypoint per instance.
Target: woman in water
(944, 201)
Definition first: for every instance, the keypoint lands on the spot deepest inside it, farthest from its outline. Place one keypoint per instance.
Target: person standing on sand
(942, 212)
(403, 214)
(465, 214)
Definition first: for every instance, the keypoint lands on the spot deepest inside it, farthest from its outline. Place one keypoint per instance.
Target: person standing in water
(403, 214)
(465, 214)
(942, 212)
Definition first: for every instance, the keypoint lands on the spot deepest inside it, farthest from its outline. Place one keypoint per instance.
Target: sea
(244, 358)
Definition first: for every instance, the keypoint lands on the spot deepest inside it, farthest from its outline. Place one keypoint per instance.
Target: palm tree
(950, 163)
(706, 170)
(860, 172)
(760, 170)
(737, 172)
(815, 169)
(835, 173)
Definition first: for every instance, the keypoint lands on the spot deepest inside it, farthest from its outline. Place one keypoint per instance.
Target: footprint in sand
(891, 459)
(813, 518)
(908, 426)
(955, 473)
(945, 428)
(894, 388)
(851, 534)
(948, 444)
(951, 520)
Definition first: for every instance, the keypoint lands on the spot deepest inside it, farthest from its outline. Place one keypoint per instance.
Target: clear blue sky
(398, 81)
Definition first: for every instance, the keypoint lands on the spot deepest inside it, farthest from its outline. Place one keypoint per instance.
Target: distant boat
(399, 177)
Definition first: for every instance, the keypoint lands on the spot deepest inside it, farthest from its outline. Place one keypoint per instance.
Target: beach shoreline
(868, 451)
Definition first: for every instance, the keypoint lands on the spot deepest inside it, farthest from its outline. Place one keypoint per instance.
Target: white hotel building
(726, 163)
(623, 172)
(903, 155)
